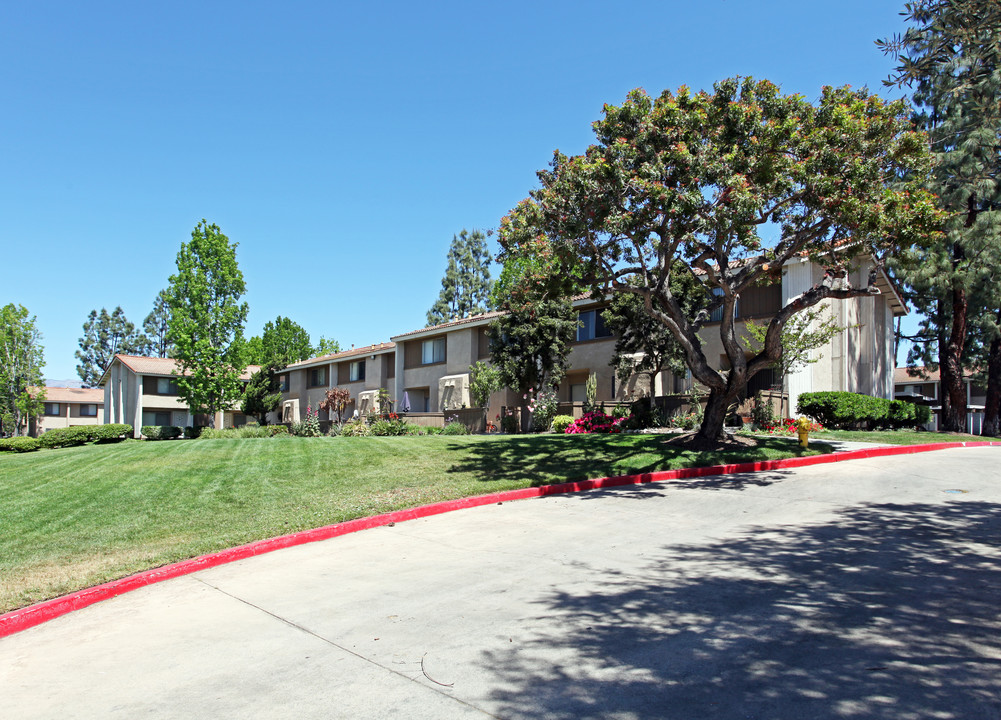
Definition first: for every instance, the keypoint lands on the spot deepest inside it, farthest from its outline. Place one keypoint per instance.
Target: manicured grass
(76, 517)
(896, 437)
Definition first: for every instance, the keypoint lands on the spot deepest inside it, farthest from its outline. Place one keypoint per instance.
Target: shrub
(922, 414)
(64, 437)
(112, 432)
(595, 422)
(161, 432)
(455, 428)
(762, 413)
(389, 427)
(543, 408)
(19, 444)
(310, 425)
(193, 431)
(274, 430)
(509, 422)
(845, 410)
(561, 423)
(355, 428)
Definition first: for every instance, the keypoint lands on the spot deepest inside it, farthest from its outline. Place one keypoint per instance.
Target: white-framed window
(52, 409)
(433, 351)
(356, 371)
(88, 410)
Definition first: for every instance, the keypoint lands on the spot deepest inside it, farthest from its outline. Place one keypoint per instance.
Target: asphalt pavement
(863, 589)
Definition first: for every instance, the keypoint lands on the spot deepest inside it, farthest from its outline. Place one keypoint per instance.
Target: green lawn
(76, 517)
(896, 437)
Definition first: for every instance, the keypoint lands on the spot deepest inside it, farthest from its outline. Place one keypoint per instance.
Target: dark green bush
(161, 432)
(112, 432)
(19, 444)
(193, 431)
(847, 411)
(278, 430)
(922, 414)
(65, 437)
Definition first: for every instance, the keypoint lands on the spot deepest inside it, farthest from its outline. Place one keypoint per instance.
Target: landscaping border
(24, 618)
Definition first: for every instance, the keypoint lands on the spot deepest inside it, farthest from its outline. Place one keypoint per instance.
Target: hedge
(161, 432)
(19, 444)
(80, 434)
(845, 411)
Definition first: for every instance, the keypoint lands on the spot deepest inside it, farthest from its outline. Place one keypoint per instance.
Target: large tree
(104, 336)
(21, 361)
(530, 343)
(206, 320)
(466, 285)
(707, 178)
(283, 343)
(155, 328)
(951, 57)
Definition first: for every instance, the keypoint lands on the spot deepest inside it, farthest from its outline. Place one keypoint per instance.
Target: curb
(24, 618)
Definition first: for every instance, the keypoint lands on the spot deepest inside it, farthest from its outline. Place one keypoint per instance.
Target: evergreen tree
(155, 328)
(104, 336)
(206, 320)
(21, 365)
(466, 286)
(950, 57)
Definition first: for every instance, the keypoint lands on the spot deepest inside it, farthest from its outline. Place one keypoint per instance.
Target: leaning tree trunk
(714, 416)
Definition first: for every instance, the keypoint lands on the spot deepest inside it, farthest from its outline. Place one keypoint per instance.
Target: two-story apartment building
(428, 369)
(143, 391)
(66, 407)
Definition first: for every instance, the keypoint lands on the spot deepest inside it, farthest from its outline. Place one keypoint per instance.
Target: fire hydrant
(803, 428)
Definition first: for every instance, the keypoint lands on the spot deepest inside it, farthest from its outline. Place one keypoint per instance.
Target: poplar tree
(950, 57)
(466, 285)
(206, 320)
(104, 336)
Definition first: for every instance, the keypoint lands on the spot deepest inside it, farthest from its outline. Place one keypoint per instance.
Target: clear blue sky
(340, 144)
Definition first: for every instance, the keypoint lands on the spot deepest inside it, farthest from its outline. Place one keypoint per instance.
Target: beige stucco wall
(69, 415)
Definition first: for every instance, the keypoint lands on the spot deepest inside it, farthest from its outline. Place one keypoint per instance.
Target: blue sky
(341, 145)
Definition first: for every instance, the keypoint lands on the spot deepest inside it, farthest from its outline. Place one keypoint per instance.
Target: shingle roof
(344, 354)
(163, 367)
(74, 395)
(471, 320)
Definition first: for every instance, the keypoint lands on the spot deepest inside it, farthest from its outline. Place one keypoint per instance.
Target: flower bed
(596, 422)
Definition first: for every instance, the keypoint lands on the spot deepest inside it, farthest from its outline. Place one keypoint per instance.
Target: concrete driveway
(863, 589)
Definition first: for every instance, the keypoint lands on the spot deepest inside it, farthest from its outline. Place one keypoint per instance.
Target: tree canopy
(206, 320)
(105, 335)
(155, 328)
(466, 285)
(21, 362)
(732, 183)
(283, 343)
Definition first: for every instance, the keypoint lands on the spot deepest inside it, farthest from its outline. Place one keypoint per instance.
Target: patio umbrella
(405, 407)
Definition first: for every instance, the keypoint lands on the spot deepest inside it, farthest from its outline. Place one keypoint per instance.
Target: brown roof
(73, 395)
(344, 354)
(163, 367)
(471, 320)
(920, 374)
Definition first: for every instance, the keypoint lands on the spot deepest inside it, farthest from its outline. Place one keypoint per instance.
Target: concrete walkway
(864, 589)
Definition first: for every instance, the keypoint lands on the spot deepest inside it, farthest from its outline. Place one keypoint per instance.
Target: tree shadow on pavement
(887, 611)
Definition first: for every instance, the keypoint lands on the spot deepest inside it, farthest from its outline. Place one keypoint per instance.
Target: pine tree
(104, 336)
(466, 285)
(950, 56)
(155, 328)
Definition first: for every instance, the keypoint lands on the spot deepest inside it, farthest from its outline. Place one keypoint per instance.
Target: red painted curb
(24, 618)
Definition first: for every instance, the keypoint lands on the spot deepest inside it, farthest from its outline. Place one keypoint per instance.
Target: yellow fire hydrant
(803, 428)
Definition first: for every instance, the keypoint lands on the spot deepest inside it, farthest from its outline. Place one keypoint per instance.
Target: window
(156, 417)
(52, 409)
(590, 326)
(357, 371)
(88, 410)
(163, 386)
(283, 383)
(717, 314)
(433, 351)
(318, 376)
